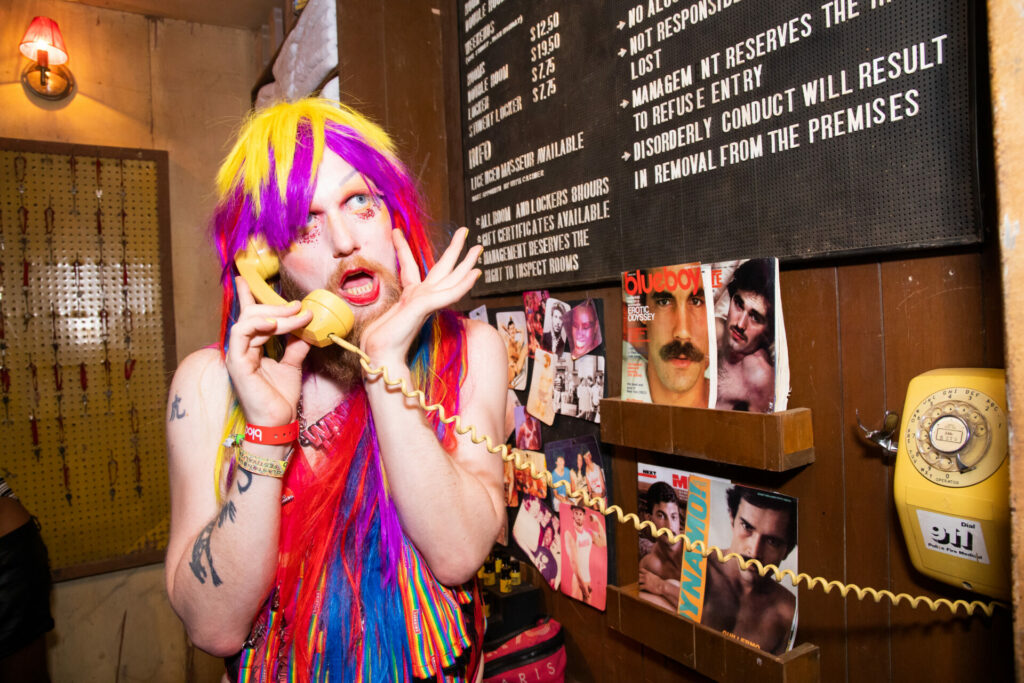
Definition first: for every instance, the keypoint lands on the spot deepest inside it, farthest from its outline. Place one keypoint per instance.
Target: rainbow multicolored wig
(266, 184)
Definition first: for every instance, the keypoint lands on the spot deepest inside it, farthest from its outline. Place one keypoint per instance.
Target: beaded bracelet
(266, 467)
(254, 464)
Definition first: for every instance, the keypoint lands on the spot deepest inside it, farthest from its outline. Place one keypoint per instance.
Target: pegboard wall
(86, 348)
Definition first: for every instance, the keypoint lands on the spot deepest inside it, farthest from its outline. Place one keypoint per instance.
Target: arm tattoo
(228, 511)
(176, 412)
(248, 479)
(202, 546)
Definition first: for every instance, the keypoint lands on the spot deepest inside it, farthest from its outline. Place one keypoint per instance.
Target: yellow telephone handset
(951, 482)
(331, 315)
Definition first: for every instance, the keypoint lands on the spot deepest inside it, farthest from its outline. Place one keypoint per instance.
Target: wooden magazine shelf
(711, 653)
(774, 441)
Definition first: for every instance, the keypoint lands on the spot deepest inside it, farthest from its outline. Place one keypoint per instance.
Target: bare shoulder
(784, 601)
(757, 362)
(758, 370)
(484, 344)
(651, 563)
(200, 366)
(484, 390)
(198, 398)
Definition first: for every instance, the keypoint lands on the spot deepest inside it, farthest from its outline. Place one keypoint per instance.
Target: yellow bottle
(489, 578)
(505, 585)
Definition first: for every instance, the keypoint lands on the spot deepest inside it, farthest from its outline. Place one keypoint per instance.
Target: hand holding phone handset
(331, 315)
(331, 319)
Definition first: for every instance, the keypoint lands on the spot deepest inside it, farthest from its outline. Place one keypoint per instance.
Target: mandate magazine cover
(661, 500)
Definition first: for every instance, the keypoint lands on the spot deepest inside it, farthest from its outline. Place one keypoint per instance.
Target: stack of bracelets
(273, 436)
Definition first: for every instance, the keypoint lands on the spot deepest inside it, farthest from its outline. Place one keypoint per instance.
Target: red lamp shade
(43, 35)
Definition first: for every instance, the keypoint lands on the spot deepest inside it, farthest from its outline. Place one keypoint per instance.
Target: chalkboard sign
(599, 138)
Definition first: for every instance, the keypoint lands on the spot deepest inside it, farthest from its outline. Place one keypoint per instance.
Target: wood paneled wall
(390, 68)
(858, 330)
(1006, 24)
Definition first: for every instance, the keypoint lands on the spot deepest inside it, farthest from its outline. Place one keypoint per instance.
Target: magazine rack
(774, 441)
(716, 655)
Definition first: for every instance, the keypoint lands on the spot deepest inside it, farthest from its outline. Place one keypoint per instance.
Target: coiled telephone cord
(513, 455)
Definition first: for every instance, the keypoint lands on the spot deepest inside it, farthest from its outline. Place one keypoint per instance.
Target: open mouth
(360, 287)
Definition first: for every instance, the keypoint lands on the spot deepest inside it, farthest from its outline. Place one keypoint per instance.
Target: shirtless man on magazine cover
(660, 569)
(746, 374)
(741, 601)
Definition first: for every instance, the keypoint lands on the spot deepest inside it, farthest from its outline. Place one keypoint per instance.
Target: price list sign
(539, 140)
(602, 138)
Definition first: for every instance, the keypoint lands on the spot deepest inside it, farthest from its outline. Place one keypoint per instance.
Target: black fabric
(232, 664)
(24, 588)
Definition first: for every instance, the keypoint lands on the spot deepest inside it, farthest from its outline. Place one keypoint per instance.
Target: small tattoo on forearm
(248, 479)
(176, 412)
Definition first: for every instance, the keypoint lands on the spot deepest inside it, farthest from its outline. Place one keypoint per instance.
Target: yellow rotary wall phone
(952, 483)
(333, 320)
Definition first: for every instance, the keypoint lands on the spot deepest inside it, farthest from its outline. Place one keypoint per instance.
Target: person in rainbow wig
(323, 527)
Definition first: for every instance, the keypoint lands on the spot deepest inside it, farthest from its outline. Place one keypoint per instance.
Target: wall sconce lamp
(45, 74)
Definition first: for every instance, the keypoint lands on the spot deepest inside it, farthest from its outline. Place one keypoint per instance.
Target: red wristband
(273, 436)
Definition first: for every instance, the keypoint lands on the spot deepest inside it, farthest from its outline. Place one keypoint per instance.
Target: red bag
(535, 654)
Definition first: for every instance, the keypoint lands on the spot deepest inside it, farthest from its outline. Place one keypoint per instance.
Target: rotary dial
(956, 437)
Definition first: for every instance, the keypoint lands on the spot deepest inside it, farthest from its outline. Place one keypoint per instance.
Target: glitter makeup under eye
(367, 213)
(310, 236)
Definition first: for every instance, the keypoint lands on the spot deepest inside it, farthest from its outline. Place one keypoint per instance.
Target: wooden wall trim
(1005, 26)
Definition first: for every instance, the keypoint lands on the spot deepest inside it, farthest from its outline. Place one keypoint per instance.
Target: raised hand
(388, 338)
(267, 390)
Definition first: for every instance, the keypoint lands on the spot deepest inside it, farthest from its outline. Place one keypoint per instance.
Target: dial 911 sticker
(954, 536)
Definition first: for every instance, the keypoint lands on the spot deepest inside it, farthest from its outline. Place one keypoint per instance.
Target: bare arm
(571, 547)
(451, 504)
(653, 581)
(600, 540)
(221, 559)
